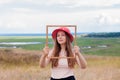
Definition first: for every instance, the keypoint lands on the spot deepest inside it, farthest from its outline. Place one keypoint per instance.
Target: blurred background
(23, 36)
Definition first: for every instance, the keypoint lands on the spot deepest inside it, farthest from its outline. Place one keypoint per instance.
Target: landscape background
(23, 36)
(19, 57)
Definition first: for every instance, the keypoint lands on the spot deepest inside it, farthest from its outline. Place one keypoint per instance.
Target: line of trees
(106, 34)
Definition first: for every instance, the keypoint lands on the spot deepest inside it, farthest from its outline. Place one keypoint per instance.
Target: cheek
(57, 38)
(65, 38)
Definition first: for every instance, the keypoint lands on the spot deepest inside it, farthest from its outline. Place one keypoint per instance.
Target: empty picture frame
(75, 28)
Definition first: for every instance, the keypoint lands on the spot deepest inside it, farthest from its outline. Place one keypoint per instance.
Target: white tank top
(62, 70)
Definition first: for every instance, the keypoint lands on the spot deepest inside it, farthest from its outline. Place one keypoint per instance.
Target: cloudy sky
(32, 16)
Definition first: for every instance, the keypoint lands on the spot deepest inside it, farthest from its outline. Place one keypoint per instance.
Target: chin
(61, 43)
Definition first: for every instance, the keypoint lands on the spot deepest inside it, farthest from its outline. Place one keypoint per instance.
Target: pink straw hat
(65, 29)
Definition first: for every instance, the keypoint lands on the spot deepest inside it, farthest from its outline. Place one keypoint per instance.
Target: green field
(23, 64)
(91, 46)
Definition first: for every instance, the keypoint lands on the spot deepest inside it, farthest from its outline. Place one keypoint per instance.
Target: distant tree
(105, 34)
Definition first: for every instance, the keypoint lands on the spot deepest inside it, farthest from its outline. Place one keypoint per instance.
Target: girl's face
(61, 37)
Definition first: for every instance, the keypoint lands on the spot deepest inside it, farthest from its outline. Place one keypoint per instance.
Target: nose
(60, 36)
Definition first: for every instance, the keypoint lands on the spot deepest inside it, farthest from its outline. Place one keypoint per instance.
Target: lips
(60, 40)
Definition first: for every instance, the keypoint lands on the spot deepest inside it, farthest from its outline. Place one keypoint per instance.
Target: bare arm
(81, 61)
(43, 59)
(79, 58)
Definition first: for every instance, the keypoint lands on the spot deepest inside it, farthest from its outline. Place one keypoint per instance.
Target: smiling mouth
(60, 40)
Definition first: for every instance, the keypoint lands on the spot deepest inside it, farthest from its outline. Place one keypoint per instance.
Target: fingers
(76, 49)
(46, 50)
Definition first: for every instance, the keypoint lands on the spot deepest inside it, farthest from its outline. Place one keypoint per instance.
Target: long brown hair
(56, 51)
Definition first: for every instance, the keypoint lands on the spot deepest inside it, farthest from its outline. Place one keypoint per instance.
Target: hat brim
(54, 34)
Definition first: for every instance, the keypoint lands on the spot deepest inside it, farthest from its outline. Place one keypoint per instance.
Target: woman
(62, 68)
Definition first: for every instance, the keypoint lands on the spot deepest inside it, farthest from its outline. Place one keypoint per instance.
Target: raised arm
(79, 58)
(43, 59)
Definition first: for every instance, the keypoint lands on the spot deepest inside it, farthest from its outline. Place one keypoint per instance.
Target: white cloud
(5, 1)
(79, 3)
(108, 17)
(24, 20)
(67, 3)
(22, 10)
(34, 19)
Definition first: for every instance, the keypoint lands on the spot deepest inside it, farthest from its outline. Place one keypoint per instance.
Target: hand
(46, 50)
(76, 50)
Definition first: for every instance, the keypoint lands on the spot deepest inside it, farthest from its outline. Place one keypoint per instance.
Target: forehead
(60, 32)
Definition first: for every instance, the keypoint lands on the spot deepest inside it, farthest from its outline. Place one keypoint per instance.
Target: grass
(111, 43)
(19, 64)
(23, 63)
(26, 39)
(19, 56)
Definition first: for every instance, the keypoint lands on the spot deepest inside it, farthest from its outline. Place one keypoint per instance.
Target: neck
(63, 47)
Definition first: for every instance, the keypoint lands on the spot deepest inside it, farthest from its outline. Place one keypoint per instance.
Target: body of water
(31, 34)
(18, 44)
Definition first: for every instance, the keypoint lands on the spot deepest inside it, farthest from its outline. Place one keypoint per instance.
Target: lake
(16, 44)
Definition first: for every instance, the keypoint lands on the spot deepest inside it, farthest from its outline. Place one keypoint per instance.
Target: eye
(63, 34)
(58, 35)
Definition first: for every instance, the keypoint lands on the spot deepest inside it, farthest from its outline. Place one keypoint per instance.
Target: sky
(32, 16)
